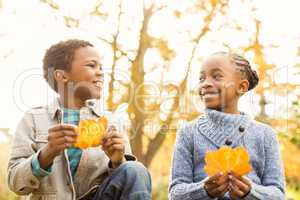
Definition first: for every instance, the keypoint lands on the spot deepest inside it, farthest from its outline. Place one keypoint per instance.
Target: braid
(244, 67)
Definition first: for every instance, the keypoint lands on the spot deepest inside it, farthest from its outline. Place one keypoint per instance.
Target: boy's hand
(217, 185)
(60, 136)
(239, 187)
(113, 146)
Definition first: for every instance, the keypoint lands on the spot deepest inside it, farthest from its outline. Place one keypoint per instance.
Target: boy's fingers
(112, 128)
(112, 134)
(58, 134)
(113, 141)
(65, 139)
(63, 127)
(116, 147)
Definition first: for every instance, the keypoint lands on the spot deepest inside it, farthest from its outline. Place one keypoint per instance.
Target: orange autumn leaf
(91, 132)
(227, 159)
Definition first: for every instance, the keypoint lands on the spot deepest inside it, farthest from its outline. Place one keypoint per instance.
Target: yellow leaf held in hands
(91, 132)
(227, 159)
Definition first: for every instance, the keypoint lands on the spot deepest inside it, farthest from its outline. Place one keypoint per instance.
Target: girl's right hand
(217, 185)
(60, 136)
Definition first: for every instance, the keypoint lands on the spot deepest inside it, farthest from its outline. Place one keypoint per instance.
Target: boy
(43, 162)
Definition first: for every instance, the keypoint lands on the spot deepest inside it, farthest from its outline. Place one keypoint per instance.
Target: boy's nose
(99, 72)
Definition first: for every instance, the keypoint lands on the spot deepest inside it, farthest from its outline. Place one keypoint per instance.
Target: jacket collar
(55, 108)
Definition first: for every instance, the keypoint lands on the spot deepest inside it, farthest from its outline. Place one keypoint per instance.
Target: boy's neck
(71, 103)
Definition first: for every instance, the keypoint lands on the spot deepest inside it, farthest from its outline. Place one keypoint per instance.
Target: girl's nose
(206, 83)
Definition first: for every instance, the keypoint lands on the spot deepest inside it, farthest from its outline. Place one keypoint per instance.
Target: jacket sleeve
(273, 181)
(181, 185)
(21, 179)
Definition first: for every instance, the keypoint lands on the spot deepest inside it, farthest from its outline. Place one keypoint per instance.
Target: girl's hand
(113, 146)
(216, 186)
(239, 187)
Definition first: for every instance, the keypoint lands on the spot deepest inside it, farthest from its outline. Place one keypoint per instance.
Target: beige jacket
(31, 136)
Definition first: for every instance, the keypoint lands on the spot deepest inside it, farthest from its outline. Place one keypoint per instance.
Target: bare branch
(115, 49)
(97, 11)
(161, 135)
(51, 3)
(104, 40)
(71, 22)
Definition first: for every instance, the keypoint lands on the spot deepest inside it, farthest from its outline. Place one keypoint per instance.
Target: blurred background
(152, 52)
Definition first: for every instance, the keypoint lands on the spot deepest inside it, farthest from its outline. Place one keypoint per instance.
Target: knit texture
(211, 131)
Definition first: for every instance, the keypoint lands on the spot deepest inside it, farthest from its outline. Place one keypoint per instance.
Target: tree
(141, 111)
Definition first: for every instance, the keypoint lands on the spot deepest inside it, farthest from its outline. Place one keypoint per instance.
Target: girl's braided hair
(244, 68)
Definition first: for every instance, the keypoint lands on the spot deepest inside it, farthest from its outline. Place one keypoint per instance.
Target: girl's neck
(230, 109)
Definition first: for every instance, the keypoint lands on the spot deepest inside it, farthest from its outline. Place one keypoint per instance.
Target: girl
(224, 78)
(43, 162)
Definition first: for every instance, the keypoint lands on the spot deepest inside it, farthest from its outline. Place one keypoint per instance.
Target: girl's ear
(60, 76)
(243, 87)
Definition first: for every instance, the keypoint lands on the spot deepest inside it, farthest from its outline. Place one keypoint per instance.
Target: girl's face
(85, 79)
(220, 83)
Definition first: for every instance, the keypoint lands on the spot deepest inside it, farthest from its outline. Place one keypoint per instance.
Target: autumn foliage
(91, 132)
(227, 159)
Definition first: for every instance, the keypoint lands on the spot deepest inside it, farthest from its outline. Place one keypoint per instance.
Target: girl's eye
(217, 76)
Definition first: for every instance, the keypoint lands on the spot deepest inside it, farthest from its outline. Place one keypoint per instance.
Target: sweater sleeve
(181, 185)
(273, 182)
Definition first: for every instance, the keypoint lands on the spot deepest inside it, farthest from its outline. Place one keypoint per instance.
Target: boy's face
(85, 78)
(218, 83)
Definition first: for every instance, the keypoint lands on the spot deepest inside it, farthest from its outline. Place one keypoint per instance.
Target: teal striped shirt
(70, 116)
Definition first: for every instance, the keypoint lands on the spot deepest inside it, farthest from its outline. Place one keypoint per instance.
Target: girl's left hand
(239, 187)
(113, 146)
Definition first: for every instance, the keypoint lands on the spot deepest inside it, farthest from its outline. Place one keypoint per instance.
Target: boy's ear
(243, 87)
(59, 75)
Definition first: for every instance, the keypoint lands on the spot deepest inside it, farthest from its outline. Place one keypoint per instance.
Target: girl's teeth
(210, 95)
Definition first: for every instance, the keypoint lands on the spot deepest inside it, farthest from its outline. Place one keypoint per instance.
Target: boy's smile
(85, 79)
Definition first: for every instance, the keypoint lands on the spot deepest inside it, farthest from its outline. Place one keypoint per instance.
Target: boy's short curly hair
(60, 56)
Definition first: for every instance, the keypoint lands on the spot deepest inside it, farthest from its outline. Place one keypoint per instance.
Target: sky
(28, 28)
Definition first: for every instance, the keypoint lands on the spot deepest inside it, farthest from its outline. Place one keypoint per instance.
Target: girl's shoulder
(188, 128)
(262, 130)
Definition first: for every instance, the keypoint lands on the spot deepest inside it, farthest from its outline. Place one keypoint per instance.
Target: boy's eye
(202, 78)
(91, 65)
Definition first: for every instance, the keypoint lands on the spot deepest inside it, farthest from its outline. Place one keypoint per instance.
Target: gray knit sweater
(209, 132)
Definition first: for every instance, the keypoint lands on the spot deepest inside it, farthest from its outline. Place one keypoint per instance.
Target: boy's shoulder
(37, 110)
